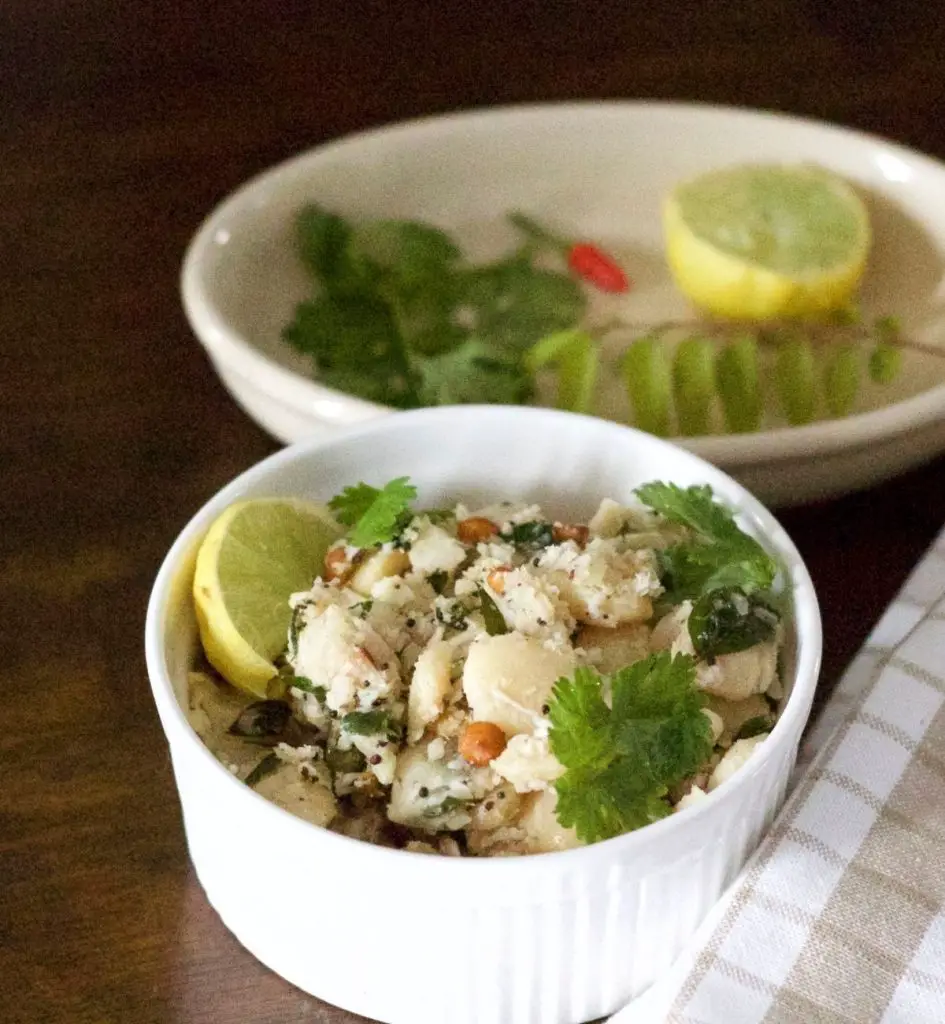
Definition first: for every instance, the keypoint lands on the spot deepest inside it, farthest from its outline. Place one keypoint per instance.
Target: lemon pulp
(255, 555)
(761, 242)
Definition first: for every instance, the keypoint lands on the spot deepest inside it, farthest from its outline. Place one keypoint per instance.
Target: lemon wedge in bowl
(255, 555)
(766, 241)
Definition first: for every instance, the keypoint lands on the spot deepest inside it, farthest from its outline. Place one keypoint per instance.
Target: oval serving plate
(590, 170)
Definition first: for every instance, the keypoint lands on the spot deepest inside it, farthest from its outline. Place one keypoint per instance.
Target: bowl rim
(807, 625)
(309, 397)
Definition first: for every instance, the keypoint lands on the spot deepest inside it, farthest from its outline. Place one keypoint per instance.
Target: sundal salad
(491, 681)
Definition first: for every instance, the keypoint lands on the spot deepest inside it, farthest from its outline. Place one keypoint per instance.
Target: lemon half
(759, 242)
(254, 557)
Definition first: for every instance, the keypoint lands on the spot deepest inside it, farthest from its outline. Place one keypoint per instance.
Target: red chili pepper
(584, 259)
(597, 268)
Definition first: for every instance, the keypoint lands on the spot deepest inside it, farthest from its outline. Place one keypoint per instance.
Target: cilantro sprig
(375, 516)
(720, 553)
(622, 759)
(398, 317)
(371, 723)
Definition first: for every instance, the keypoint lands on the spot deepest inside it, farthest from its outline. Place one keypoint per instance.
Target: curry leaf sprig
(622, 759)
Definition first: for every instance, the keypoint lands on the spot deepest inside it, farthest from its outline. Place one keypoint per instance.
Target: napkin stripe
(883, 886)
(782, 830)
(929, 981)
(843, 781)
(879, 912)
(920, 674)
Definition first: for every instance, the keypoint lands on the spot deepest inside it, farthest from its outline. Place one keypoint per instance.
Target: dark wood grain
(122, 124)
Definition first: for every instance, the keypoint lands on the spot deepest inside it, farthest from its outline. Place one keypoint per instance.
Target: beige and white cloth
(839, 917)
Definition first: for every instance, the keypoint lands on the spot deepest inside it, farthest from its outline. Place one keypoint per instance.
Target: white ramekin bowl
(409, 939)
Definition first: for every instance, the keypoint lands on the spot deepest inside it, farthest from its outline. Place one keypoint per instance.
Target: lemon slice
(762, 242)
(254, 556)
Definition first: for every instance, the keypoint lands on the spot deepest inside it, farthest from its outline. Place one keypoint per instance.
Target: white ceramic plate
(593, 171)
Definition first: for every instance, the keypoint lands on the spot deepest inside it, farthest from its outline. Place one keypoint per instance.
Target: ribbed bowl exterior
(569, 941)
(402, 938)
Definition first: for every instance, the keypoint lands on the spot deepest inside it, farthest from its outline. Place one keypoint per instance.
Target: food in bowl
(492, 682)
(563, 938)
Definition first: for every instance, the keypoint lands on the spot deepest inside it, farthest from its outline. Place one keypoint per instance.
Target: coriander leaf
(451, 613)
(412, 251)
(424, 317)
(579, 720)
(755, 726)
(322, 240)
(694, 507)
(621, 761)
(533, 534)
(295, 626)
(720, 555)
(727, 620)
(610, 805)
(265, 767)
(492, 617)
(376, 516)
(513, 303)
(306, 685)
(447, 804)
(476, 371)
(356, 347)
(438, 516)
(658, 720)
(412, 266)
(438, 580)
(689, 570)
(370, 723)
(353, 503)
(342, 762)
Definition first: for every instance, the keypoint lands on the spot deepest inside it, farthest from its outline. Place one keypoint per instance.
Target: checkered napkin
(839, 917)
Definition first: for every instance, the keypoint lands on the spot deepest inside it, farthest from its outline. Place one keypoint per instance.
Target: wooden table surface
(121, 125)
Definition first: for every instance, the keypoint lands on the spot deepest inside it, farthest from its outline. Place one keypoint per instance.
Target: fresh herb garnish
(755, 726)
(371, 723)
(535, 534)
(493, 619)
(345, 762)
(399, 318)
(720, 553)
(448, 803)
(514, 303)
(438, 580)
(727, 620)
(295, 627)
(437, 516)
(265, 767)
(473, 371)
(452, 614)
(263, 720)
(375, 516)
(620, 761)
(306, 685)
